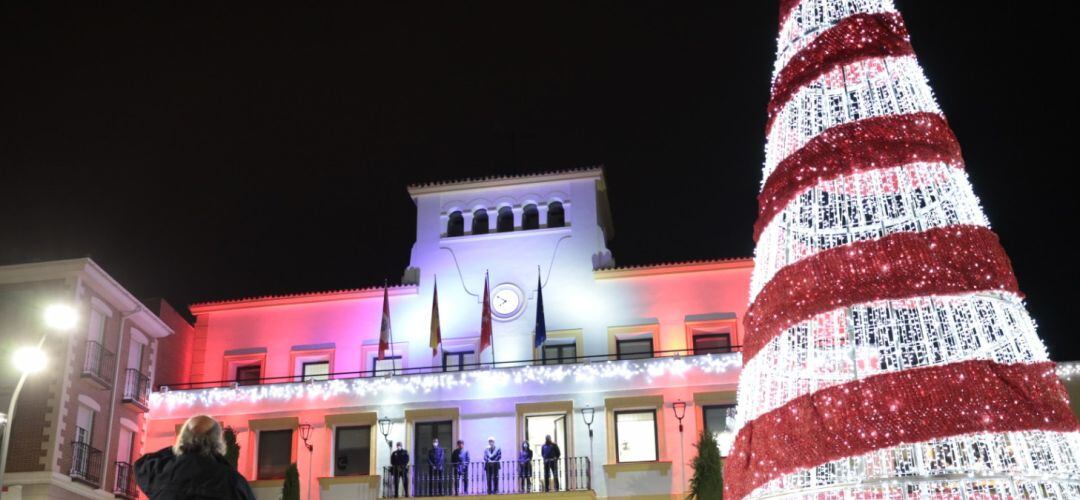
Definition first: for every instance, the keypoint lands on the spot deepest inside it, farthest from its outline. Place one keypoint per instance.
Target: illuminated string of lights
(640, 371)
(851, 286)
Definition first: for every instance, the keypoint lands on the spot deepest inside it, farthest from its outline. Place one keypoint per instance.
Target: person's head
(435, 442)
(524, 445)
(200, 434)
(547, 439)
(399, 445)
(491, 442)
(460, 444)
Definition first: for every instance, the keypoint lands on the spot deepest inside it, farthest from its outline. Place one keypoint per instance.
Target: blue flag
(541, 326)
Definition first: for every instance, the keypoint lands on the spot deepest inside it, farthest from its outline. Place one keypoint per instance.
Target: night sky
(206, 150)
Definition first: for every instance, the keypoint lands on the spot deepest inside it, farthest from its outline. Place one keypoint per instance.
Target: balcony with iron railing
(440, 369)
(491, 478)
(136, 389)
(99, 365)
(86, 461)
(125, 481)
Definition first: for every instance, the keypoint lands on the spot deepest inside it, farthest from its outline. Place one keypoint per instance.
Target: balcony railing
(100, 363)
(495, 478)
(438, 369)
(85, 463)
(137, 389)
(125, 481)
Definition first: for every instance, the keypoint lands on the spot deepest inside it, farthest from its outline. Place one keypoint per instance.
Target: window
(315, 370)
(385, 366)
(530, 217)
(84, 425)
(455, 226)
(458, 361)
(635, 436)
(712, 343)
(248, 375)
(637, 348)
(556, 216)
(559, 354)
(125, 446)
(715, 418)
(275, 453)
(135, 355)
(505, 223)
(352, 450)
(480, 222)
(97, 327)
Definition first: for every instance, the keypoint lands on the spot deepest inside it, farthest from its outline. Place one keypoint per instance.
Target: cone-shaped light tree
(888, 352)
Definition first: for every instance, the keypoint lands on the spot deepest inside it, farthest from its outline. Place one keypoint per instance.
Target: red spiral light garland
(939, 261)
(882, 411)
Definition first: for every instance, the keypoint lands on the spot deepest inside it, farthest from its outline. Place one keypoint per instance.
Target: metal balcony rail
(508, 477)
(125, 481)
(99, 361)
(455, 368)
(85, 462)
(136, 388)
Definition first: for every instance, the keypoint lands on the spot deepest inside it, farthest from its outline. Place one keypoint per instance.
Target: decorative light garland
(861, 207)
(642, 372)
(855, 285)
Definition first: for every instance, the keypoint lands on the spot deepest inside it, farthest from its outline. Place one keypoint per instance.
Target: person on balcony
(194, 468)
(525, 457)
(435, 460)
(492, 464)
(459, 466)
(399, 469)
(551, 454)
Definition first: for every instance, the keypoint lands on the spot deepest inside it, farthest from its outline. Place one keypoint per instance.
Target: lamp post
(385, 424)
(28, 360)
(588, 413)
(305, 434)
(679, 408)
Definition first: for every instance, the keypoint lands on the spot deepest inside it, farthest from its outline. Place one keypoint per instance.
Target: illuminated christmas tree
(888, 352)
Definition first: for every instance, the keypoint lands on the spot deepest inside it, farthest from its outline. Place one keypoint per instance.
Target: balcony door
(423, 435)
(537, 428)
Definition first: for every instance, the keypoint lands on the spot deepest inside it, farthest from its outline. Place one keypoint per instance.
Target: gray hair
(200, 434)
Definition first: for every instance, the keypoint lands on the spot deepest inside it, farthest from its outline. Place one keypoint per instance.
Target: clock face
(507, 301)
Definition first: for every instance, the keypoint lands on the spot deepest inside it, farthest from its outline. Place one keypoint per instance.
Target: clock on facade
(507, 301)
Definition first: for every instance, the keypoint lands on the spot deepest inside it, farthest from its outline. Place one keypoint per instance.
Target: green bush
(708, 480)
(291, 489)
(232, 449)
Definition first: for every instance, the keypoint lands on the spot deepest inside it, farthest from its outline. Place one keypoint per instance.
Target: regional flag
(436, 331)
(384, 332)
(485, 319)
(541, 325)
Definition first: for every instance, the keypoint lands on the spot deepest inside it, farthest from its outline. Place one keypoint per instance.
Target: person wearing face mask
(525, 456)
(435, 458)
(399, 469)
(492, 457)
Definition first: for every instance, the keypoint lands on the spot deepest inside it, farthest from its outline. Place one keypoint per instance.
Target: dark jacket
(435, 458)
(492, 458)
(459, 458)
(399, 459)
(525, 455)
(550, 452)
(191, 476)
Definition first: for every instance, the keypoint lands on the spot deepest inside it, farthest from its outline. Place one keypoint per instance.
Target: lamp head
(305, 431)
(61, 317)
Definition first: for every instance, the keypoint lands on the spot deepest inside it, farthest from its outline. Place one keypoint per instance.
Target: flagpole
(539, 285)
(487, 282)
(393, 358)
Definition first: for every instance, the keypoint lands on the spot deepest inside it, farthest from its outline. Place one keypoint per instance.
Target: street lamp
(588, 413)
(679, 408)
(305, 434)
(28, 360)
(385, 424)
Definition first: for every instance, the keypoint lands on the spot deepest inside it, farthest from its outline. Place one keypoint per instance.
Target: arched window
(530, 217)
(505, 224)
(480, 222)
(556, 216)
(455, 226)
